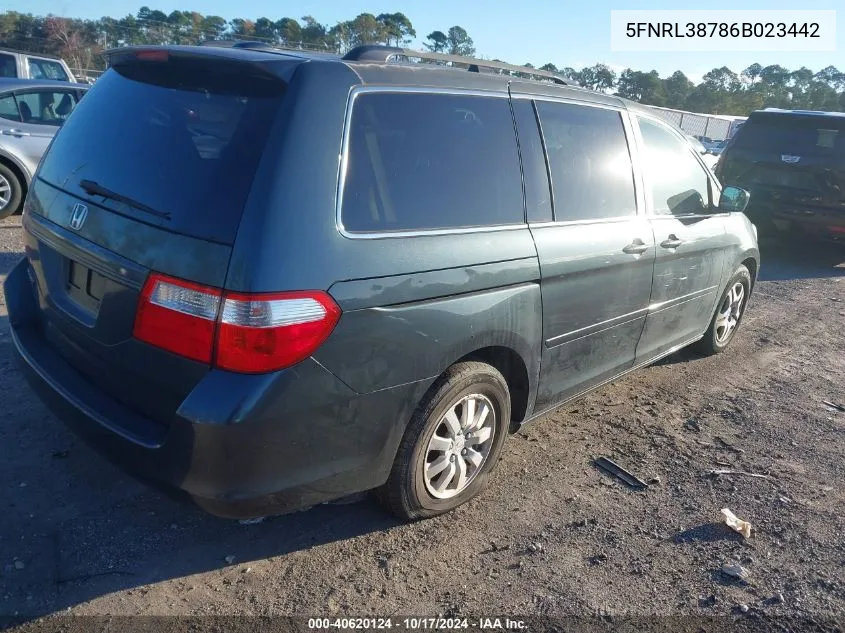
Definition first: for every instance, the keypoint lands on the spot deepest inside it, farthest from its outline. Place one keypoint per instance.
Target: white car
(15, 64)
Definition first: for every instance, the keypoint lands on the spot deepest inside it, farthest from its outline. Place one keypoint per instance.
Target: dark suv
(272, 280)
(793, 163)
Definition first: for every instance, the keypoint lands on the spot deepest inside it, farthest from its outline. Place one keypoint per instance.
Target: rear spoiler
(272, 64)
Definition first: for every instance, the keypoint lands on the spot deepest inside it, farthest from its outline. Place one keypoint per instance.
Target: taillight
(263, 333)
(247, 333)
(152, 55)
(178, 316)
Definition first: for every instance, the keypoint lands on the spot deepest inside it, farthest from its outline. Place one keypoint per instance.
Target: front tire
(11, 192)
(728, 315)
(452, 442)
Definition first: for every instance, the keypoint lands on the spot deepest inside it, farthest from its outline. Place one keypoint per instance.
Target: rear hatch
(792, 163)
(151, 173)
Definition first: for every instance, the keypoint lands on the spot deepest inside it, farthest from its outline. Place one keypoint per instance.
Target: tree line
(721, 91)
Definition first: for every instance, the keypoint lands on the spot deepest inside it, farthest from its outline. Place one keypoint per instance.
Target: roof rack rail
(385, 54)
(378, 53)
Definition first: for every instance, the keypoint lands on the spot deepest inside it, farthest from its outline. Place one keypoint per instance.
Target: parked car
(271, 280)
(718, 147)
(794, 163)
(707, 157)
(30, 114)
(20, 65)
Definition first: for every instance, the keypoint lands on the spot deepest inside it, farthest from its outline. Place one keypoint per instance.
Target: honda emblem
(77, 216)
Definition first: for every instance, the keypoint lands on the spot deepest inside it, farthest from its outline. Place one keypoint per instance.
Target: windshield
(822, 137)
(182, 138)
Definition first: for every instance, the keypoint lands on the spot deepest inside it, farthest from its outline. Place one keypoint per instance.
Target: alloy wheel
(729, 313)
(5, 192)
(460, 446)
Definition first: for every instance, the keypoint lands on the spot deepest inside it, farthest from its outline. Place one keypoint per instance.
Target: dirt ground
(552, 535)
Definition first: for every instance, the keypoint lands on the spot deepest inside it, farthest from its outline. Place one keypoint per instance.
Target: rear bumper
(812, 222)
(820, 225)
(239, 445)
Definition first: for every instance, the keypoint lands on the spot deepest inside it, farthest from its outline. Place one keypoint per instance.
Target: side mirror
(734, 200)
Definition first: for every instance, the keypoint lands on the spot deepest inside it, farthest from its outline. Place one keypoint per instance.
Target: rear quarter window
(424, 161)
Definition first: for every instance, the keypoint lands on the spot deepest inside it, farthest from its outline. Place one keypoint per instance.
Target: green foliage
(598, 77)
(721, 91)
(459, 42)
(646, 88)
(436, 42)
(397, 29)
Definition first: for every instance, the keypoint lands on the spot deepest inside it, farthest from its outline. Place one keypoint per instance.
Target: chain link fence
(86, 75)
(712, 127)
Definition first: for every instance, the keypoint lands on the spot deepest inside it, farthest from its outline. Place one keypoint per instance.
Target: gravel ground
(552, 535)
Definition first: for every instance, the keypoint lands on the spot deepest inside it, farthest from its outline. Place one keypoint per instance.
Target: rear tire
(728, 315)
(452, 442)
(11, 192)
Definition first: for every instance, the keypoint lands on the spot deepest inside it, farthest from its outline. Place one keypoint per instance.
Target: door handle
(671, 242)
(637, 247)
(15, 133)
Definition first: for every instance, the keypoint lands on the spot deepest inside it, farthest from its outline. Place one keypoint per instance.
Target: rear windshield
(182, 138)
(795, 136)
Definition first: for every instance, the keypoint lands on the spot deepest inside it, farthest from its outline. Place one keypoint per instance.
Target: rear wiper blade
(96, 189)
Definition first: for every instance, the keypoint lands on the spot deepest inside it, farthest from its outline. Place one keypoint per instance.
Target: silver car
(31, 111)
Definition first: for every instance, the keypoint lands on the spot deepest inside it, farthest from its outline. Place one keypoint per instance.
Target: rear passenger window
(46, 107)
(592, 176)
(419, 161)
(538, 197)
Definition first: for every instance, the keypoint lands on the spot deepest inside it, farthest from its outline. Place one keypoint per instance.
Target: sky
(563, 32)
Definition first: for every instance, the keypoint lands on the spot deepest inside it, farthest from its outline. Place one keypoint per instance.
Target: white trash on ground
(737, 524)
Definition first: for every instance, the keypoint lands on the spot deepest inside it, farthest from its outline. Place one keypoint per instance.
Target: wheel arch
(751, 263)
(16, 168)
(515, 372)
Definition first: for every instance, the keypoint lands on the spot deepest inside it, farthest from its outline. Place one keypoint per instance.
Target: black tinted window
(181, 137)
(8, 66)
(794, 136)
(431, 161)
(679, 185)
(538, 199)
(592, 177)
